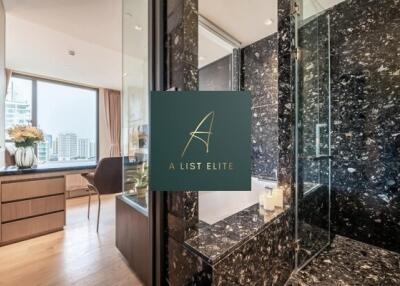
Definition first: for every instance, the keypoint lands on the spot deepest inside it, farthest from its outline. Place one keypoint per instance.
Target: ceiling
(244, 20)
(96, 21)
(40, 34)
(252, 20)
(93, 29)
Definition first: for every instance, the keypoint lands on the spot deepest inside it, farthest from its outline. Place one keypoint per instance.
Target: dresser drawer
(20, 190)
(26, 228)
(33, 207)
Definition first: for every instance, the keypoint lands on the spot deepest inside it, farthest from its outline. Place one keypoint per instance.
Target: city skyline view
(66, 147)
(66, 137)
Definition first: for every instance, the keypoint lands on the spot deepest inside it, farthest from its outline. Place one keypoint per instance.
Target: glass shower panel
(313, 131)
(135, 122)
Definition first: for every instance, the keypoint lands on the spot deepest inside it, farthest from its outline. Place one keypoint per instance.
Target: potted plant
(25, 137)
(141, 182)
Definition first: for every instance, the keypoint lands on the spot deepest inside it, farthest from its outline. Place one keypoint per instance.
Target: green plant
(141, 178)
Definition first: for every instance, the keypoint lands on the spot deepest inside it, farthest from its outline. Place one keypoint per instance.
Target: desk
(32, 201)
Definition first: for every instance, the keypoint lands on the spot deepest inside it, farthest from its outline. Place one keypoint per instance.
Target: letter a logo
(196, 134)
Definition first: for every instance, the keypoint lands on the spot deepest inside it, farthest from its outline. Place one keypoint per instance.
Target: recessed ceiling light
(138, 28)
(125, 74)
(268, 22)
(201, 58)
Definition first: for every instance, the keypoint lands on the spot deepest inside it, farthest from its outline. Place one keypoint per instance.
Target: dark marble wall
(365, 71)
(260, 77)
(264, 259)
(181, 73)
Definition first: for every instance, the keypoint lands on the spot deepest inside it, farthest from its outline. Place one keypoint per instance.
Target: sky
(66, 109)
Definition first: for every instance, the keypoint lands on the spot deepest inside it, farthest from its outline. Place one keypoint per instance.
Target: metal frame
(156, 199)
(90, 189)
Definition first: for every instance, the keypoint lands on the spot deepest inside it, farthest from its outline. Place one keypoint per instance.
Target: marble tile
(265, 259)
(214, 242)
(260, 77)
(349, 262)
(365, 38)
(286, 162)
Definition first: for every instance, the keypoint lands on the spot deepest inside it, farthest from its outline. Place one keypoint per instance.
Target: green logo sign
(200, 141)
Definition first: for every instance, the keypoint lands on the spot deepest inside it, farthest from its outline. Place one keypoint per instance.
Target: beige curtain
(8, 78)
(112, 105)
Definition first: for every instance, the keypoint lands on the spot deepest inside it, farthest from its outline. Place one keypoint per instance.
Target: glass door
(313, 125)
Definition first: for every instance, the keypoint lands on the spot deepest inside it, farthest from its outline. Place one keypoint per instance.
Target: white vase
(24, 157)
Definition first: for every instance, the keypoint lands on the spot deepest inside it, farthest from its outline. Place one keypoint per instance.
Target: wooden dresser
(32, 203)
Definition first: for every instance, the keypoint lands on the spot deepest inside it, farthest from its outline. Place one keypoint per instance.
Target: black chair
(106, 179)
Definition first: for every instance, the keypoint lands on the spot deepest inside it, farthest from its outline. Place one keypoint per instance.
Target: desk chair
(106, 179)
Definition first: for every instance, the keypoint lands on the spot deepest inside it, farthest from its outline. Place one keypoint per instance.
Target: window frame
(35, 80)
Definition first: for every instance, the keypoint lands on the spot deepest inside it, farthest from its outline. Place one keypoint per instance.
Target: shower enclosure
(313, 129)
(248, 238)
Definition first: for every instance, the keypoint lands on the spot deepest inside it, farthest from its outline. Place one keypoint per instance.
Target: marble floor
(349, 262)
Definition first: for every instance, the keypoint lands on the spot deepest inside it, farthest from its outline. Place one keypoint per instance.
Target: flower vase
(24, 157)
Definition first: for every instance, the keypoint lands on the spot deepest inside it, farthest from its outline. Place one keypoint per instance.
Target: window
(66, 113)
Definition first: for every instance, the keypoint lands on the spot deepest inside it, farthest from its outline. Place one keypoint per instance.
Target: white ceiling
(39, 50)
(246, 21)
(96, 21)
(44, 31)
(39, 34)
(242, 19)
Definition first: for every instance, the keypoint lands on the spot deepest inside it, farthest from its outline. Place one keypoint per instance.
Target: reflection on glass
(222, 58)
(135, 100)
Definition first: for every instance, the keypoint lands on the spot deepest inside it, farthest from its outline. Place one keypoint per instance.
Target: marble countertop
(48, 167)
(213, 242)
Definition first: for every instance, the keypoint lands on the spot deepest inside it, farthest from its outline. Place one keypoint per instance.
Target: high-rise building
(55, 147)
(18, 113)
(93, 150)
(83, 148)
(44, 148)
(17, 107)
(67, 146)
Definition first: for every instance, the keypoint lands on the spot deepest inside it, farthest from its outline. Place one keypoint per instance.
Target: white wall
(2, 81)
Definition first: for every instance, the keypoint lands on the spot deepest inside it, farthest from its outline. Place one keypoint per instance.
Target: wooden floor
(75, 256)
